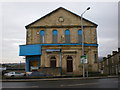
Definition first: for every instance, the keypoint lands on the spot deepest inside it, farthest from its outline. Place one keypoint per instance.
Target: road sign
(84, 59)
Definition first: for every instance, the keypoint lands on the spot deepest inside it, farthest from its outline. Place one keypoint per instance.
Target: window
(53, 62)
(69, 58)
(79, 36)
(67, 36)
(42, 36)
(54, 36)
(119, 58)
(112, 60)
(107, 62)
(95, 58)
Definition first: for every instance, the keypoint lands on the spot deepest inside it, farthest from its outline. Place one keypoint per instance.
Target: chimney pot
(109, 55)
(104, 58)
(114, 52)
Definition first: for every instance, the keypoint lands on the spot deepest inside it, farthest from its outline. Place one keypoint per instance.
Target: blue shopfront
(33, 53)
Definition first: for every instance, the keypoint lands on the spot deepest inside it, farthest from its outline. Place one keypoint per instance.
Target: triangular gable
(49, 19)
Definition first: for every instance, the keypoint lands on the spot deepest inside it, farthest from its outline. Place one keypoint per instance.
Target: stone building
(54, 42)
(111, 64)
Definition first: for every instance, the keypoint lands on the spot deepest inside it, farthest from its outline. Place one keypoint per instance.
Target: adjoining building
(54, 44)
(110, 65)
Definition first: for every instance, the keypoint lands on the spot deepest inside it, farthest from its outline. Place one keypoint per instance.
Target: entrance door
(53, 62)
(69, 64)
(34, 65)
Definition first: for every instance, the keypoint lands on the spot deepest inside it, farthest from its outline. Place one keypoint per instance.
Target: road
(76, 83)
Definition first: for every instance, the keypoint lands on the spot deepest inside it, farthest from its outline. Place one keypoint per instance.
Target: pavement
(60, 78)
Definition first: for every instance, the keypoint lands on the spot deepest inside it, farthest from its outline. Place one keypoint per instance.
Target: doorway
(34, 65)
(69, 64)
(53, 62)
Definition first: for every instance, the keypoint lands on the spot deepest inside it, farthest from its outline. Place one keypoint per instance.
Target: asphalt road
(88, 83)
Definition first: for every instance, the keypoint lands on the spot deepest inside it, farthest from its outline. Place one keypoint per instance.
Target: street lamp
(83, 38)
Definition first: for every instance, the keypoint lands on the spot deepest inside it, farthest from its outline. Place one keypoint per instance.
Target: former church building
(54, 44)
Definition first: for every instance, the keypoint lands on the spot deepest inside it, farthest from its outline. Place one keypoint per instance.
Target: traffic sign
(84, 59)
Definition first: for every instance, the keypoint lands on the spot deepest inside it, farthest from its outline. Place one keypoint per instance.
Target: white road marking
(78, 84)
(23, 87)
(83, 84)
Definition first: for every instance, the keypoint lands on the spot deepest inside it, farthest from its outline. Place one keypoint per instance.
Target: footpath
(56, 78)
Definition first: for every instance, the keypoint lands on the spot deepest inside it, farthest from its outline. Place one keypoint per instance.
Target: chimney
(118, 49)
(104, 58)
(108, 55)
(114, 52)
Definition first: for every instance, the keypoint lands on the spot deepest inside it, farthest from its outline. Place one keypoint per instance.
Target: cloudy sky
(16, 15)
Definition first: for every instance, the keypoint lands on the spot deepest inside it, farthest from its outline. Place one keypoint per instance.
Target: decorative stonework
(61, 19)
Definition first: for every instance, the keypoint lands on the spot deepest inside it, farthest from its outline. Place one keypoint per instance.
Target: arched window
(42, 36)
(53, 62)
(54, 36)
(79, 36)
(67, 36)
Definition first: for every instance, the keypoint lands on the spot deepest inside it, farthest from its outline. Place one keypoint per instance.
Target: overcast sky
(15, 16)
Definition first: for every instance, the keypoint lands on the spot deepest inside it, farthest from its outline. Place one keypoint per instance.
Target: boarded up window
(55, 36)
(79, 36)
(67, 36)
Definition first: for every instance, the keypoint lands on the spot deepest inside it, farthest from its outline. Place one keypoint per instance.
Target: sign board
(84, 59)
(53, 50)
(34, 68)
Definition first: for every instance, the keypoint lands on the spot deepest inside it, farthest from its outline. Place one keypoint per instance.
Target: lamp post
(83, 40)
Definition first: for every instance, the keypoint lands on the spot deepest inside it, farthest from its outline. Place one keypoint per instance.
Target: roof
(55, 11)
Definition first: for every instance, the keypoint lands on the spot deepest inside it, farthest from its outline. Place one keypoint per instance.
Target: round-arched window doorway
(69, 64)
(53, 62)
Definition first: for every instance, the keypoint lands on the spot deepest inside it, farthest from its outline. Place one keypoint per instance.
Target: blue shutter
(55, 32)
(79, 36)
(54, 36)
(67, 32)
(42, 32)
(79, 32)
(67, 36)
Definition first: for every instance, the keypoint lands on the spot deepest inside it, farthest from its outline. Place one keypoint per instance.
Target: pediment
(60, 17)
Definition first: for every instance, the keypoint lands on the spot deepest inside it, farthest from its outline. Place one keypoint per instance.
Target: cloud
(16, 15)
(17, 44)
(12, 42)
(13, 39)
(106, 40)
(11, 46)
(10, 50)
(107, 45)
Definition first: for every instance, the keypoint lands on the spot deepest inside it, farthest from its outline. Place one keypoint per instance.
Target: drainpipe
(60, 61)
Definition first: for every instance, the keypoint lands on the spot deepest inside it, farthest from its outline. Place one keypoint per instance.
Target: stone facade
(67, 56)
(111, 64)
